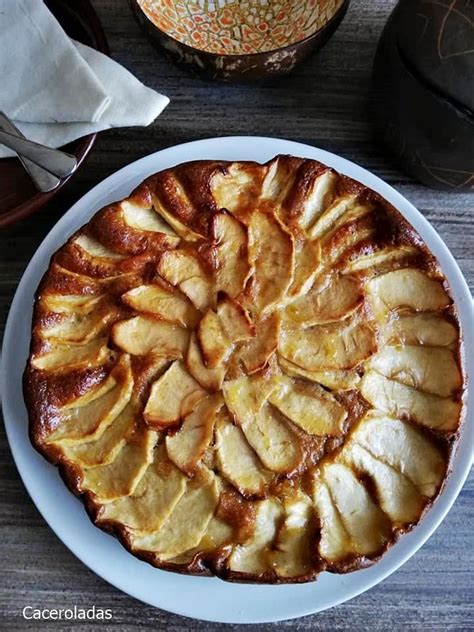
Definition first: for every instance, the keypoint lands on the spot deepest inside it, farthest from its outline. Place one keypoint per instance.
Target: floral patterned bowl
(240, 39)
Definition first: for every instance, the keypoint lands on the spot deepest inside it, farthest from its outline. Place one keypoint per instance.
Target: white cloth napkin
(57, 90)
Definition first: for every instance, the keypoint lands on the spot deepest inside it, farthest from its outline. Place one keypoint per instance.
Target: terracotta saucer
(18, 195)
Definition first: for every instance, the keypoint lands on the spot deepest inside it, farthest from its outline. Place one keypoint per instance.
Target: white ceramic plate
(203, 597)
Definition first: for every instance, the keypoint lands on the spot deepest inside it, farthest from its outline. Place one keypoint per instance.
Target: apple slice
(121, 476)
(169, 306)
(140, 335)
(272, 256)
(183, 269)
(153, 500)
(292, 555)
(279, 178)
(429, 369)
(238, 183)
(185, 526)
(334, 544)
(245, 396)
(364, 521)
(73, 356)
(183, 231)
(318, 199)
(71, 303)
(87, 417)
(132, 227)
(84, 254)
(217, 534)
(407, 288)
(398, 497)
(63, 282)
(214, 344)
(331, 298)
(95, 249)
(316, 412)
(165, 405)
(232, 257)
(104, 449)
(187, 446)
(331, 347)
(338, 380)
(277, 446)
(256, 352)
(79, 327)
(252, 557)
(398, 400)
(378, 260)
(399, 445)
(235, 320)
(428, 330)
(341, 210)
(217, 332)
(237, 461)
(307, 266)
(340, 244)
(145, 218)
(146, 371)
(210, 379)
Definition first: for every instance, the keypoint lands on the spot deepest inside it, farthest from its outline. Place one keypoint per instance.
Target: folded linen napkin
(57, 90)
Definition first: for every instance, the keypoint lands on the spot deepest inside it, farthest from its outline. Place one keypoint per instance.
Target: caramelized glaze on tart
(248, 370)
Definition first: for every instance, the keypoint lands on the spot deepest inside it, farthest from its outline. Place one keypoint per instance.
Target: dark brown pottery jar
(423, 94)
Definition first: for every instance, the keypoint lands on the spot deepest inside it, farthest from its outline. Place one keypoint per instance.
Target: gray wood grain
(323, 103)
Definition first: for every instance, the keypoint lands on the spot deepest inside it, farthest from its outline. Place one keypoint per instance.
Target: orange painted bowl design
(231, 39)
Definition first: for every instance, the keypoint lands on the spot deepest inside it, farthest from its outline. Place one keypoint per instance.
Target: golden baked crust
(248, 370)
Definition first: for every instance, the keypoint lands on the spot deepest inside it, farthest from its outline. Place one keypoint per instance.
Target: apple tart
(248, 370)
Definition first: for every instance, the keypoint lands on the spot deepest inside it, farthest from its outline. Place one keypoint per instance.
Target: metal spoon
(56, 162)
(44, 181)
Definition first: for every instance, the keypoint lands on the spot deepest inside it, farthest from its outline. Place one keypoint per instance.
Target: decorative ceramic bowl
(234, 39)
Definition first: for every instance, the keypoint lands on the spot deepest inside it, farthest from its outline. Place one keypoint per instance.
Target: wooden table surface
(324, 103)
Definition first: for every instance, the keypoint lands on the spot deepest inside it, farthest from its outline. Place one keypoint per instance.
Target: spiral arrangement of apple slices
(249, 370)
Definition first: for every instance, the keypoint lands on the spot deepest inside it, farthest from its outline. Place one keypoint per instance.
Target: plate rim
(408, 544)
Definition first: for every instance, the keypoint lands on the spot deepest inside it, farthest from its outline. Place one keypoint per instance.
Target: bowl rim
(87, 14)
(338, 15)
(39, 199)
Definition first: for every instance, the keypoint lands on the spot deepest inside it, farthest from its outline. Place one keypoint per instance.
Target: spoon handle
(44, 181)
(56, 162)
